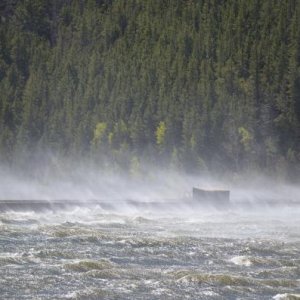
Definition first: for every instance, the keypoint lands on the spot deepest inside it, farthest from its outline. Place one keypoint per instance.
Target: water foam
(241, 261)
(287, 296)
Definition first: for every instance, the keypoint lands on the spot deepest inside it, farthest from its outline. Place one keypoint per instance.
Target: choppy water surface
(93, 254)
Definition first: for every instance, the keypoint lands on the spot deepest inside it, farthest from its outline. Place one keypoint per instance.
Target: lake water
(192, 253)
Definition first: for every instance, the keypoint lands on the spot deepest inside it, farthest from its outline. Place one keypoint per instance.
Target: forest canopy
(190, 85)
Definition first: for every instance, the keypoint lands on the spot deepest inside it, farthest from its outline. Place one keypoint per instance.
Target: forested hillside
(187, 84)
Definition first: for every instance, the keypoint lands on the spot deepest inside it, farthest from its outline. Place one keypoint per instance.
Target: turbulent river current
(193, 253)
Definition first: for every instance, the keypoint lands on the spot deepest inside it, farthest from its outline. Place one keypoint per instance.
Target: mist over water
(81, 182)
(250, 250)
(85, 183)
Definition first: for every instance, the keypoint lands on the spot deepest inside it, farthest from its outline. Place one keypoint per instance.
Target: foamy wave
(87, 265)
(287, 297)
(241, 261)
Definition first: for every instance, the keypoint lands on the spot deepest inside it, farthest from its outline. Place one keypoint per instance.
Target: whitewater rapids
(90, 253)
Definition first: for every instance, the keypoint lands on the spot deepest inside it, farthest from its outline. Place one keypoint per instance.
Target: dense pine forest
(192, 85)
